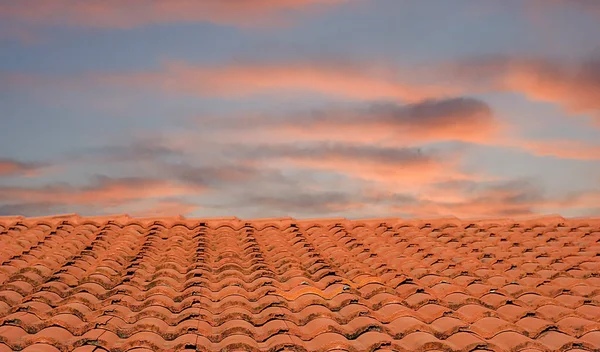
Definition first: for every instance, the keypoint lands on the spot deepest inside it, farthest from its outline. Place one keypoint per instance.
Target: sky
(301, 108)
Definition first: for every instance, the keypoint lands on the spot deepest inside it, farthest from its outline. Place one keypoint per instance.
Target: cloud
(591, 7)
(574, 86)
(455, 119)
(216, 175)
(246, 79)
(137, 208)
(197, 163)
(33, 209)
(11, 167)
(244, 151)
(394, 166)
(562, 149)
(306, 203)
(462, 198)
(333, 78)
(165, 207)
(141, 149)
(135, 13)
(459, 119)
(508, 198)
(105, 191)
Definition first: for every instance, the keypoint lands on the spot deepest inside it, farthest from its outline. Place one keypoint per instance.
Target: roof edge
(168, 219)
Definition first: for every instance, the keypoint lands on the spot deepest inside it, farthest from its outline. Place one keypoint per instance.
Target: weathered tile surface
(120, 284)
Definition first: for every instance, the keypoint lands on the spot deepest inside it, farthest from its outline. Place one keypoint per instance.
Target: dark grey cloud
(328, 150)
(306, 203)
(34, 209)
(221, 175)
(428, 115)
(141, 149)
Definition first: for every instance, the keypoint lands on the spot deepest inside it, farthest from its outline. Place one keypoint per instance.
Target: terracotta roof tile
(116, 283)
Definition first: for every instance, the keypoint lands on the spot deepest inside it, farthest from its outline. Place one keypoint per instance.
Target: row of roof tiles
(169, 221)
(70, 283)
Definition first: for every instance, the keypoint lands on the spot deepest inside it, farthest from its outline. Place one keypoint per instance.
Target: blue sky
(305, 108)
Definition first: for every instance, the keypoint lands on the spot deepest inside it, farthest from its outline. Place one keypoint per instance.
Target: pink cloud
(400, 173)
(456, 119)
(363, 83)
(563, 149)
(513, 199)
(574, 86)
(104, 192)
(11, 167)
(588, 6)
(577, 89)
(165, 208)
(394, 167)
(336, 79)
(134, 13)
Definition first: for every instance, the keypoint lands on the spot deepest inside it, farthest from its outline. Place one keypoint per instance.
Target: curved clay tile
(116, 283)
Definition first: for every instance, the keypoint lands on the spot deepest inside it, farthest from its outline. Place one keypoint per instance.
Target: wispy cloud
(459, 119)
(163, 207)
(462, 198)
(34, 209)
(562, 149)
(12, 167)
(396, 167)
(509, 198)
(236, 80)
(260, 181)
(104, 192)
(574, 86)
(343, 79)
(307, 203)
(587, 6)
(453, 119)
(135, 13)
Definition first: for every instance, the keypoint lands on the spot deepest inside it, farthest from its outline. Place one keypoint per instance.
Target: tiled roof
(123, 284)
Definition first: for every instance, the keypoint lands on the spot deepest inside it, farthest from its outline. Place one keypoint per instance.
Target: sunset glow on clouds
(116, 14)
(304, 108)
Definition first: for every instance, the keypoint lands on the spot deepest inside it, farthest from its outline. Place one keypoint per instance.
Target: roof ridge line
(124, 216)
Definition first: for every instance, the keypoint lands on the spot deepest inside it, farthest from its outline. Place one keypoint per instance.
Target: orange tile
(162, 284)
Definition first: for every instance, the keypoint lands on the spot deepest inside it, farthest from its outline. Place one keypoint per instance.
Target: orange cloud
(166, 208)
(10, 167)
(558, 148)
(396, 174)
(397, 168)
(511, 199)
(574, 86)
(457, 119)
(302, 203)
(393, 125)
(134, 13)
(588, 6)
(578, 90)
(338, 79)
(105, 192)
(563, 149)
(462, 198)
